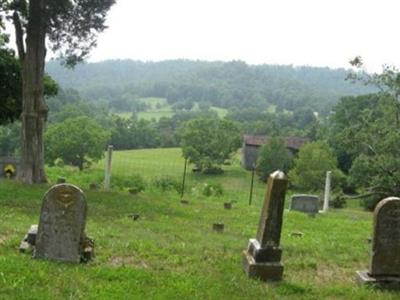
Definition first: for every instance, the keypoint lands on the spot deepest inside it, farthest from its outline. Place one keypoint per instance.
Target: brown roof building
(252, 144)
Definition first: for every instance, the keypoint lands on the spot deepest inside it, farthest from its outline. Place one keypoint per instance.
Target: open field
(160, 108)
(172, 253)
(153, 163)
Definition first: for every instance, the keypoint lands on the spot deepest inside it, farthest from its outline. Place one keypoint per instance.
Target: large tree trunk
(34, 109)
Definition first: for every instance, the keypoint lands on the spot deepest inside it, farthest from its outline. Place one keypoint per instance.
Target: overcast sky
(299, 32)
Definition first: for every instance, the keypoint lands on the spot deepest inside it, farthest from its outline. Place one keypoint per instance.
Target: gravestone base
(364, 278)
(266, 271)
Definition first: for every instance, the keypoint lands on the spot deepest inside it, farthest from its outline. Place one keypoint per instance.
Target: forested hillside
(221, 84)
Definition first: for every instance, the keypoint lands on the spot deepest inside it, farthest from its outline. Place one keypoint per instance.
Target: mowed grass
(171, 252)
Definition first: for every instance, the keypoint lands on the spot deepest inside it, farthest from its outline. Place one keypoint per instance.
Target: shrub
(338, 200)
(370, 202)
(135, 183)
(213, 171)
(167, 183)
(213, 189)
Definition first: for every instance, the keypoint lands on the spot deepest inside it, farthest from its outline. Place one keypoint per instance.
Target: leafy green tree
(10, 86)
(273, 156)
(350, 118)
(10, 139)
(77, 141)
(310, 167)
(209, 142)
(69, 28)
(367, 130)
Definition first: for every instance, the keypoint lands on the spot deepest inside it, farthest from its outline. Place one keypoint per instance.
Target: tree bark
(34, 109)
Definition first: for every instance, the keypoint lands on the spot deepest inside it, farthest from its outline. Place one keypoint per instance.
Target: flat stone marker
(385, 258)
(262, 259)
(61, 224)
(305, 203)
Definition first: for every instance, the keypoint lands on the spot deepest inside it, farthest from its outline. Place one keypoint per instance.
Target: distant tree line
(221, 84)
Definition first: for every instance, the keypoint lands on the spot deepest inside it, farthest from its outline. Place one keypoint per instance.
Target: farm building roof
(293, 142)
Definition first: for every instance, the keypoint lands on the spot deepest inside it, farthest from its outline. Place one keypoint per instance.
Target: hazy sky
(299, 32)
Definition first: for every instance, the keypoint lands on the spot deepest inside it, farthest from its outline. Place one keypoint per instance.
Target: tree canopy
(273, 156)
(310, 166)
(209, 142)
(77, 141)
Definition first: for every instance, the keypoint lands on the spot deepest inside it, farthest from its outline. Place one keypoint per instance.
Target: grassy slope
(171, 251)
(151, 163)
(164, 110)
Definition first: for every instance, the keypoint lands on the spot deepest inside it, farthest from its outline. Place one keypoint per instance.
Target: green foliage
(78, 141)
(207, 143)
(213, 189)
(273, 156)
(132, 182)
(310, 167)
(220, 84)
(10, 138)
(338, 199)
(10, 86)
(167, 183)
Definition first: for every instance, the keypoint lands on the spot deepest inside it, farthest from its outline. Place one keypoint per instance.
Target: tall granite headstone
(385, 257)
(262, 259)
(61, 224)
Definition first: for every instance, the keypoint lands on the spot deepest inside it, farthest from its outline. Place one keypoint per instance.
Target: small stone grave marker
(385, 257)
(228, 205)
(262, 259)
(305, 203)
(218, 227)
(61, 225)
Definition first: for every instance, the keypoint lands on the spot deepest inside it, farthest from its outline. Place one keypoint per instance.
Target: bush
(213, 171)
(338, 200)
(135, 183)
(167, 183)
(369, 203)
(213, 189)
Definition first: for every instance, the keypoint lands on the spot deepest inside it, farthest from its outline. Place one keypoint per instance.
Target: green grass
(172, 253)
(164, 109)
(152, 163)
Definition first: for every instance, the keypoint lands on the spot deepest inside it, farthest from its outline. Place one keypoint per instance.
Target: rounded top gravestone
(385, 260)
(61, 224)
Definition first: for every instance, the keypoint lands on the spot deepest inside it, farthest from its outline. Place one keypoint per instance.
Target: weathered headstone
(61, 224)
(262, 259)
(305, 203)
(385, 258)
(327, 193)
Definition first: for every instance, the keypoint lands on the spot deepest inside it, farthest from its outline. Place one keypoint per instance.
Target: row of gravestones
(61, 233)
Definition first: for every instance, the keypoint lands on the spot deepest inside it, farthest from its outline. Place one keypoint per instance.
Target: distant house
(252, 144)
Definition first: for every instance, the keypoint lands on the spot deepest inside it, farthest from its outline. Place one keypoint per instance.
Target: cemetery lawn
(170, 252)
